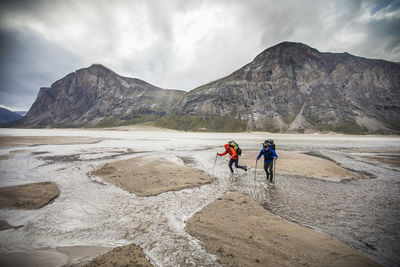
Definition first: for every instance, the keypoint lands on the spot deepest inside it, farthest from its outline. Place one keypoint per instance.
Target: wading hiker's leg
(271, 173)
(230, 164)
(266, 169)
(239, 166)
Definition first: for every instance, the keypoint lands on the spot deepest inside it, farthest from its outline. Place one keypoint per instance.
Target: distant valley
(8, 115)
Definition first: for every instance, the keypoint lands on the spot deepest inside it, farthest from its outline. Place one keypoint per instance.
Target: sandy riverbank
(242, 233)
(130, 255)
(149, 176)
(28, 196)
(298, 163)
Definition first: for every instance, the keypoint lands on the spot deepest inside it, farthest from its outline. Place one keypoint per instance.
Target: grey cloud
(384, 37)
(28, 63)
(74, 34)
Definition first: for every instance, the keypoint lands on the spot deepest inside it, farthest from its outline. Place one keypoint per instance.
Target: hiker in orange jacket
(234, 157)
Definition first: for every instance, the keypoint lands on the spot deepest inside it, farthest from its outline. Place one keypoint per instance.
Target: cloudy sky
(178, 44)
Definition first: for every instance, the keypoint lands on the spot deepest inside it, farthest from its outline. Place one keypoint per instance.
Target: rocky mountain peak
(97, 96)
(292, 86)
(288, 87)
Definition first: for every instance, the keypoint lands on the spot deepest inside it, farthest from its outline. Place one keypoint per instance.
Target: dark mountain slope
(97, 95)
(288, 87)
(8, 116)
(292, 86)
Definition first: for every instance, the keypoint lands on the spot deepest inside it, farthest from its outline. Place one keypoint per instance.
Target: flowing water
(362, 213)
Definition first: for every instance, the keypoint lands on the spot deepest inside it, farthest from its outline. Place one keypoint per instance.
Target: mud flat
(60, 256)
(11, 141)
(149, 176)
(242, 233)
(130, 255)
(28, 196)
(299, 163)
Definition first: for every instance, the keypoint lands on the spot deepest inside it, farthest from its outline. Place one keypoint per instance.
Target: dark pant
(236, 164)
(268, 169)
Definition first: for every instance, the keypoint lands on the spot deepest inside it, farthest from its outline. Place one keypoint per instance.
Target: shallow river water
(362, 213)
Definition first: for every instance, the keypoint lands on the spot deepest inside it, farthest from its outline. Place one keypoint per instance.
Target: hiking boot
(245, 168)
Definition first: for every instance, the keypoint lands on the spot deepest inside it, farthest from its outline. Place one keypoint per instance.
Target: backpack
(270, 142)
(235, 147)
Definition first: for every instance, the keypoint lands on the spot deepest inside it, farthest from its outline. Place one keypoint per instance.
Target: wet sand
(149, 176)
(242, 233)
(298, 163)
(61, 256)
(11, 141)
(28, 196)
(391, 160)
(130, 255)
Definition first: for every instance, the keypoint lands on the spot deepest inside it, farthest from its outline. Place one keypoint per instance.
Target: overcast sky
(179, 44)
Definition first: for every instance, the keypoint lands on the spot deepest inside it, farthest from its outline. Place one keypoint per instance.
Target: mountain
(21, 113)
(8, 116)
(293, 87)
(289, 87)
(97, 96)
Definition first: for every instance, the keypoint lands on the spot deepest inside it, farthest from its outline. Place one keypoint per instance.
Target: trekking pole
(215, 161)
(255, 172)
(274, 171)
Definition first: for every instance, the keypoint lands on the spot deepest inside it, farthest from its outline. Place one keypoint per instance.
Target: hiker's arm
(259, 155)
(226, 151)
(274, 153)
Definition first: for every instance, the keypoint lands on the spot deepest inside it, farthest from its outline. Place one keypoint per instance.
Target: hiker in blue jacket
(269, 155)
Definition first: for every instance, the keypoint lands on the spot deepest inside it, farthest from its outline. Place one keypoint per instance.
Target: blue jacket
(268, 154)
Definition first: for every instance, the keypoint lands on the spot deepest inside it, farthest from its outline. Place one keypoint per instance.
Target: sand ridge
(242, 233)
(299, 163)
(28, 196)
(149, 175)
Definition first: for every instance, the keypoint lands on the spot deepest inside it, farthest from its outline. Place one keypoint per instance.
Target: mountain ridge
(91, 95)
(288, 75)
(7, 115)
(287, 87)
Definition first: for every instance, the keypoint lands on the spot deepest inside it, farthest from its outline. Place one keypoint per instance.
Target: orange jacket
(230, 150)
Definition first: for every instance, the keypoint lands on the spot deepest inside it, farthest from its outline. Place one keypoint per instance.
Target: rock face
(292, 86)
(288, 87)
(97, 95)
